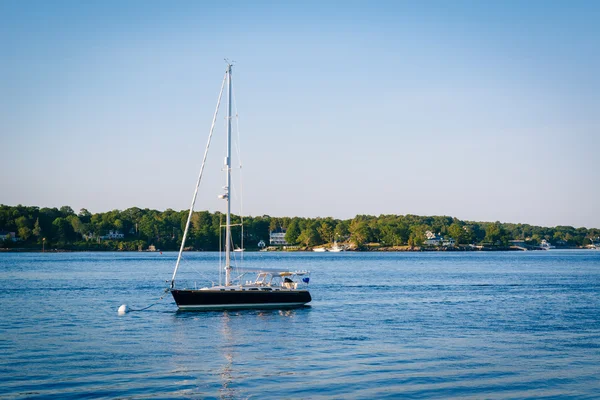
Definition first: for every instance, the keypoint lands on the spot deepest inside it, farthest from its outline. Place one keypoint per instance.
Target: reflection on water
(226, 391)
(223, 349)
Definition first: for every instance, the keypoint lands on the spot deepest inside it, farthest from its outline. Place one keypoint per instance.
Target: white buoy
(123, 309)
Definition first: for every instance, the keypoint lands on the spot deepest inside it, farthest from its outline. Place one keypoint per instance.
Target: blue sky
(480, 110)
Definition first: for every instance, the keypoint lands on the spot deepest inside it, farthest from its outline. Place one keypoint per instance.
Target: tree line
(62, 228)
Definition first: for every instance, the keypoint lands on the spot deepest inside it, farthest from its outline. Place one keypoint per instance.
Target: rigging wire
(187, 225)
(238, 147)
(220, 248)
(231, 189)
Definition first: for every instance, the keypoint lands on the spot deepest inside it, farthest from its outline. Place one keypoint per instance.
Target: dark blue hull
(187, 299)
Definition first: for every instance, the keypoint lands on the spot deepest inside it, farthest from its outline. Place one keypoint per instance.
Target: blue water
(413, 325)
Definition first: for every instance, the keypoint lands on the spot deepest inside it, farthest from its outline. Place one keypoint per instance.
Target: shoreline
(375, 250)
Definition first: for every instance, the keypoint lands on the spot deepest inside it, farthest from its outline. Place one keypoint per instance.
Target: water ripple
(481, 325)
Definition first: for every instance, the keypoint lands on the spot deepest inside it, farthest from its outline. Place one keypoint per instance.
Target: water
(414, 325)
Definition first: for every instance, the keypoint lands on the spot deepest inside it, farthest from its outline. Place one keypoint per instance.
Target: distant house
(88, 236)
(432, 239)
(437, 240)
(277, 237)
(448, 242)
(8, 235)
(113, 235)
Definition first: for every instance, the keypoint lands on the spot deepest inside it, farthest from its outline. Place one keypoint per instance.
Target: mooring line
(124, 309)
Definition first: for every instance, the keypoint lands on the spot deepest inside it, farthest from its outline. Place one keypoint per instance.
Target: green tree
(495, 233)
(118, 224)
(469, 235)
(417, 234)
(273, 224)
(24, 233)
(457, 233)
(66, 211)
(22, 222)
(293, 231)
(259, 230)
(309, 236)
(84, 215)
(205, 237)
(325, 231)
(359, 232)
(147, 227)
(63, 230)
(440, 224)
(342, 230)
(392, 233)
(37, 230)
(76, 224)
(23, 230)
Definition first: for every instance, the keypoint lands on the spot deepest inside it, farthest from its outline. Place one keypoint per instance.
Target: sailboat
(269, 288)
(336, 248)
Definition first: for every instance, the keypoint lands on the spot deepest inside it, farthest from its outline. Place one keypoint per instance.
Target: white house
(448, 242)
(437, 240)
(432, 239)
(113, 235)
(277, 237)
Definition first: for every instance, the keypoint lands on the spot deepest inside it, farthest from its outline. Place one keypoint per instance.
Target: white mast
(228, 184)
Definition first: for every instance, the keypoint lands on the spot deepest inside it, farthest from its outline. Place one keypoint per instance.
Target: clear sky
(480, 110)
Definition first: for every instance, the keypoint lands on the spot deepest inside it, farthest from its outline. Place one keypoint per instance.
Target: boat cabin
(268, 281)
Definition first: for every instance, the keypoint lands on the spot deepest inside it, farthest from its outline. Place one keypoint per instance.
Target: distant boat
(238, 250)
(336, 248)
(320, 249)
(271, 288)
(546, 245)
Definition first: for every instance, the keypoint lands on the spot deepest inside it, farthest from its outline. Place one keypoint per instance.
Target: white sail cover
(273, 271)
